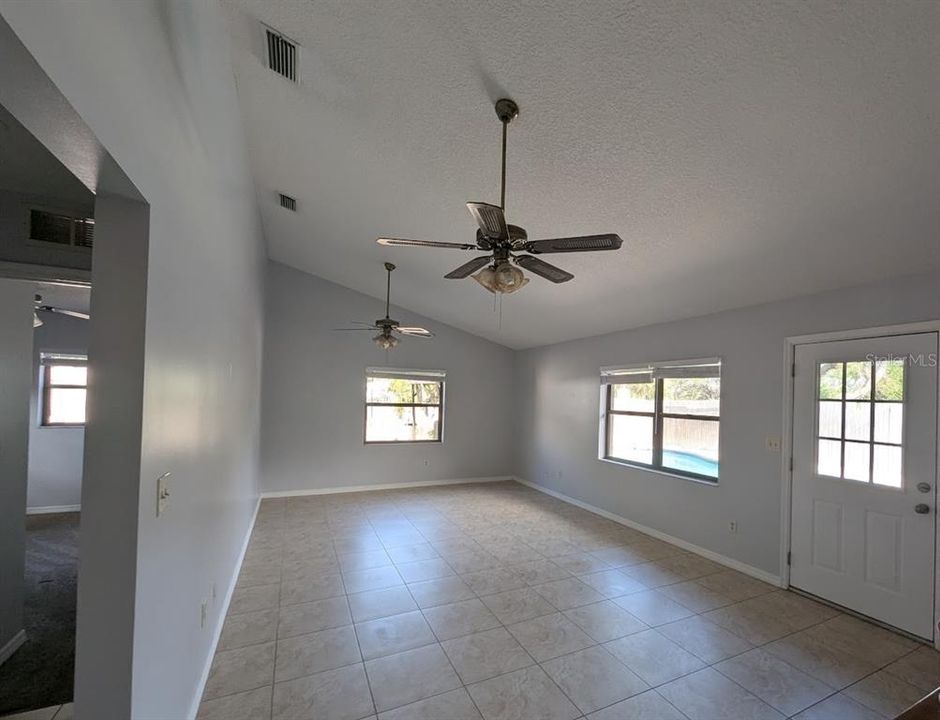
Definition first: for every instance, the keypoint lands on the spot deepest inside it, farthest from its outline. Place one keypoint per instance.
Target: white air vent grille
(288, 202)
(57, 229)
(282, 55)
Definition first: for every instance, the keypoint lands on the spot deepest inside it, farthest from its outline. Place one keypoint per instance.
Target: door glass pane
(830, 419)
(858, 380)
(691, 396)
(858, 421)
(389, 423)
(66, 405)
(857, 461)
(888, 466)
(889, 380)
(889, 422)
(68, 375)
(829, 458)
(639, 397)
(830, 381)
(631, 438)
(691, 445)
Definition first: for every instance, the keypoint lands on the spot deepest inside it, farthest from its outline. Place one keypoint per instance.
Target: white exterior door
(864, 472)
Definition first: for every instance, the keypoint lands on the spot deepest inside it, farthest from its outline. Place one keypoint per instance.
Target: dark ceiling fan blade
(61, 311)
(585, 243)
(402, 242)
(418, 332)
(544, 269)
(370, 329)
(468, 268)
(491, 219)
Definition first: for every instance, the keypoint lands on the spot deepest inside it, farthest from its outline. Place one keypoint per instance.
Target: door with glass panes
(864, 473)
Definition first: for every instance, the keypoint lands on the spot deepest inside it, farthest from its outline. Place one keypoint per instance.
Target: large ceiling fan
(39, 306)
(503, 242)
(388, 328)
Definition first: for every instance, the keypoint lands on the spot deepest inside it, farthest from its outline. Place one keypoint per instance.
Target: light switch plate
(163, 493)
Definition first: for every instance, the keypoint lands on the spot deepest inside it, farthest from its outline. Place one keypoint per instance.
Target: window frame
(47, 363)
(658, 415)
(412, 376)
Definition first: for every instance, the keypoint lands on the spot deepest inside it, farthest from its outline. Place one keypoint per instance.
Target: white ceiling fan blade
(62, 311)
(491, 219)
(418, 332)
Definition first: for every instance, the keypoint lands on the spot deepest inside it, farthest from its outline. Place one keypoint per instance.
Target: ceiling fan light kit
(498, 271)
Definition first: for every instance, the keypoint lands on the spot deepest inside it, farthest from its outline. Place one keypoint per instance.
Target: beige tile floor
(496, 601)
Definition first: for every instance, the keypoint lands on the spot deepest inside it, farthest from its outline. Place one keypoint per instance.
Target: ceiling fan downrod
(506, 111)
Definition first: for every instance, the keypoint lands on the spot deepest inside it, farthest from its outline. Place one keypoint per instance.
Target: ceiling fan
(388, 328)
(39, 307)
(502, 241)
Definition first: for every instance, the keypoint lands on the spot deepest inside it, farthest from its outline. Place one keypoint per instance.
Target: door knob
(922, 508)
(923, 487)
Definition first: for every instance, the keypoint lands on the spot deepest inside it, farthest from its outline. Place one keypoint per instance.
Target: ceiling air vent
(288, 202)
(58, 229)
(282, 54)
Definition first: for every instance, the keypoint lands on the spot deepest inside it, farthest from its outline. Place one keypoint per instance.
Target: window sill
(660, 471)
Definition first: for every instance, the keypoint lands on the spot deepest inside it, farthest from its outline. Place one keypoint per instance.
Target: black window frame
(436, 379)
(48, 386)
(658, 416)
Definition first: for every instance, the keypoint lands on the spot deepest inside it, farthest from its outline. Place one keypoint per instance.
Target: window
(664, 416)
(64, 386)
(404, 406)
(860, 421)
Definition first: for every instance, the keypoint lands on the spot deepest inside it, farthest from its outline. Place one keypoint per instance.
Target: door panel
(864, 445)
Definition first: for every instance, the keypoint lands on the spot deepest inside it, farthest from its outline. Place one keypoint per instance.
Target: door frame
(786, 454)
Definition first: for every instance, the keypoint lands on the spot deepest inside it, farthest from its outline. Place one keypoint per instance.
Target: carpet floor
(40, 673)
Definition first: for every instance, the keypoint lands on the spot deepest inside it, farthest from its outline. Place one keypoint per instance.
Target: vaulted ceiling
(745, 151)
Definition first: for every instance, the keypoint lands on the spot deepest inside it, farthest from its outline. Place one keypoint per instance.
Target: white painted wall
(314, 390)
(55, 453)
(559, 413)
(16, 338)
(168, 115)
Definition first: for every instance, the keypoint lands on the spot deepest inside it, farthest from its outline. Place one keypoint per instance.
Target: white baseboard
(658, 534)
(47, 509)
(217, 633)
(384, 486)
(11, 646)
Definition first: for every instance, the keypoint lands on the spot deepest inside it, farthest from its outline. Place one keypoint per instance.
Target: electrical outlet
(163, 493)
(204, 613)
(773, 444)
(733, 527)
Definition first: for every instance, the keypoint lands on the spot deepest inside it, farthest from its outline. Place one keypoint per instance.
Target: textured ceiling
(745, 151)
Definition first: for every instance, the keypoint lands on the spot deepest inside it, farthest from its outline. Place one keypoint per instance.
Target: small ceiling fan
(39, 307)
(388, 328)
(496, 271)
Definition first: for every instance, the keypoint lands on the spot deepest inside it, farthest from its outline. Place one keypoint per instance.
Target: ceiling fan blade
(585, 243)
(402, 242)
(370, 329)
(468, 268)
(418, 332)
(61, 311)
(543, 269)
(491, 219)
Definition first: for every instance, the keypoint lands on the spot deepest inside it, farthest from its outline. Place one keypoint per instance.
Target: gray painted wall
(16, 339)
(171, 120)
(314, 390)
(559, 412)
(55, 453)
